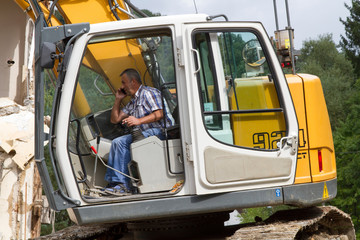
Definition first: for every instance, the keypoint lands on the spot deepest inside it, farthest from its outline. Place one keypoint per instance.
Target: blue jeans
(119, 156)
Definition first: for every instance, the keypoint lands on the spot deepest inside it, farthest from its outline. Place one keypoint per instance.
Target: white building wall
(20, 187)
(12, 46)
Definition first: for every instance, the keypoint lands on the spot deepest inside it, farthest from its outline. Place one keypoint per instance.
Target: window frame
(272, 78)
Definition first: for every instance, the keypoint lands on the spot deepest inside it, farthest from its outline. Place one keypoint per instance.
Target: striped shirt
(146, 101)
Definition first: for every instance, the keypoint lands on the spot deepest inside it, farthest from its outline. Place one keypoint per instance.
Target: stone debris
(8, 107)
(94, 231)
(20, 185)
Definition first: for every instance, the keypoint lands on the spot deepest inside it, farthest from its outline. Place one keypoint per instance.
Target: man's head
(131, 81)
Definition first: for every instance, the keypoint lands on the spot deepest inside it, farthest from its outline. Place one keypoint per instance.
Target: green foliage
(321, 58)
(342, 94)
(347, 142)
(248, 215)
(351, 42)
(49, 91)
(234, 62)
(149, 13)
(165, 58)
(62, 221)
(347, 134)
(96, 101)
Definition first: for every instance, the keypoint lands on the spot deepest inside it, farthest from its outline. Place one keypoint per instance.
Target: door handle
(290, 141)
(198, 60)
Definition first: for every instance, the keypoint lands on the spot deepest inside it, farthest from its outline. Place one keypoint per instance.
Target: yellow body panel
(303, 163)
(92, 11)
(256, 130)
(80, 106)
(263, 130)
(24, 5)
(319, 130)
(114, 57)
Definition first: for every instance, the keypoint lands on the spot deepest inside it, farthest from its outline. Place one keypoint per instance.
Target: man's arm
(155, 116)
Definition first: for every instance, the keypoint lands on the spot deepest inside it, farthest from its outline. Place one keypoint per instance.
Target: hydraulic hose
(113, 10)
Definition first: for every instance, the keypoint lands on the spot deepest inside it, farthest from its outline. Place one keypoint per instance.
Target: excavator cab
(151, 53)
(234, 143)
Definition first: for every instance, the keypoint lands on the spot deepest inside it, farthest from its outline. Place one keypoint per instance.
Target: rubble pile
(20, 185)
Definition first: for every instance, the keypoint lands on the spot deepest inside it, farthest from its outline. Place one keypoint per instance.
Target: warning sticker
(325, 192)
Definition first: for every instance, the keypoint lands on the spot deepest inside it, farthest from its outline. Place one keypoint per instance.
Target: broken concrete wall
(20, 186)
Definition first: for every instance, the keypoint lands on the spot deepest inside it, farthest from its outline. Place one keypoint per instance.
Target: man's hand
(131, 121)
(116, 114)
(120, 94)
(153, 117)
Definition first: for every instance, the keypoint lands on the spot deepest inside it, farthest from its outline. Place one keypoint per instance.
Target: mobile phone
(123, 91)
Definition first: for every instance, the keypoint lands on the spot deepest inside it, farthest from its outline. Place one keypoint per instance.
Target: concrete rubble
(20, 185)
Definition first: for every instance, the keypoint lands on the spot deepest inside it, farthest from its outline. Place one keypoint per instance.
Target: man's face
(127, 84)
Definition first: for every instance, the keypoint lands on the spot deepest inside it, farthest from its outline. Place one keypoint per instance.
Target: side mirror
(47, 51)
(253, 54)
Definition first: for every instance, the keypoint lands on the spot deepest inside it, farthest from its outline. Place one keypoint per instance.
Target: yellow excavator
(245, 135)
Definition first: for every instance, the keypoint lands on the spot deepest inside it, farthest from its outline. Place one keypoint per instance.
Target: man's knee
(122, 141)
(153, 132)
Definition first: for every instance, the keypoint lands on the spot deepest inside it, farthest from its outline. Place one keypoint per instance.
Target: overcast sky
(309, 18)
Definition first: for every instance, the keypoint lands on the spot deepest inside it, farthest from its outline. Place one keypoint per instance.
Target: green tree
(347, 142)
(149, 13)
(351, 42)
(347, 135)
(321, 58)
(62, 219)
(342, 94)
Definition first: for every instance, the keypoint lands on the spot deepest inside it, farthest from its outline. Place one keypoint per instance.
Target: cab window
(238, 94)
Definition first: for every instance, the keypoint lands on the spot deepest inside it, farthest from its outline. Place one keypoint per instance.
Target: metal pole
(291, 38)
(276, 16)
(196, 10)
(287, 12)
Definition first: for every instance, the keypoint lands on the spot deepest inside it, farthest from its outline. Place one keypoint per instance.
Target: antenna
(276, 16)
(291, 38)
(195, 6)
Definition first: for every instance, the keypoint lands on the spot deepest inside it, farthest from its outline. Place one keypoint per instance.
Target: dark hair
(132, 73)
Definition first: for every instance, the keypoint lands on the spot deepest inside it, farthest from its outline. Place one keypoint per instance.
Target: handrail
(245, 111)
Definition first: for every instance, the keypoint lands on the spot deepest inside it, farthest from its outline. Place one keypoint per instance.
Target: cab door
(243, 125)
